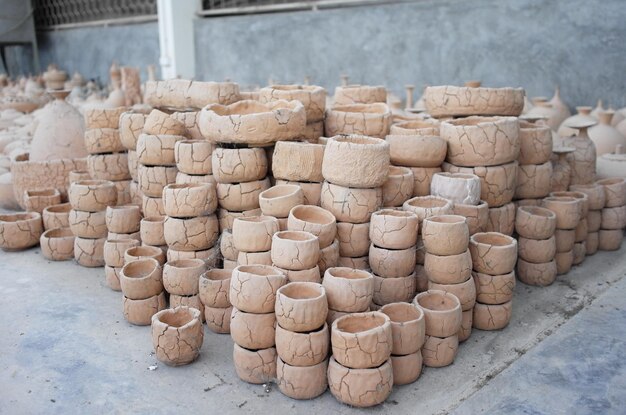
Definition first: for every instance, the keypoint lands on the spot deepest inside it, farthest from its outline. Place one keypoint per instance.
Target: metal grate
(58, 13)
(228, 7)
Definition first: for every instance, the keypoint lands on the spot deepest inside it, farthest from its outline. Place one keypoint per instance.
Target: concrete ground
(66, 348)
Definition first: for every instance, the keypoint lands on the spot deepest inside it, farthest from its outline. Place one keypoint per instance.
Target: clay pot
(456, 187)
(227, 246)
(141, 279)
(112, 167)
(567, 210)
(422, 177)
(252, 330)
(373, 120)
(92, 195)
(302, 349)
(89, 252)
(362, 340)
(455, 101)
(140, 312)
(191, 234)
(214, 287)
(604, 135)
(399, 186)
(442, 312)
(407, 368)
(57, 216)
(370, 172)
(564, 261)
(38, 200)
(112, 277)
(491, 316)
(426, 127)
(476, 217)
(141, 252)
(311, 96)
(416, 150)
(393, 290)
(130, 127)
(359, 94)
(226, 218)
(535, 222)
(393, 229)
(123, 219)
(347, 289)
(561, 169)
(114, 250)
(301, 306)
(448, 269)
(152, 179)
(493, 253)
(583, 159)
(305, 275)
(537, 251)
(329, 256)
(177, 335)
(183, 178)
(497, 183)
(239, 197)
(389, 263)
(157, 150)
(235, 165)
(254, 258)
(613, 218)
(311, 191)
(466, 325)
(160, 123)
(595, 194)
(296, 161)
(580, 252)
(440, 352)
(565, 239)
(183, 93)
(536, 274)
(301, 382)
(614, 191)
(535, 143)
(88, 224)
(407, 327)
(354, 205)
(494, 289)
(254, 234)
(20, 230)
(252, 122)
(427, 206)
(255, 366)
(295, 250)
(445, 235)
(354, 240)
(57, 244)
(193, 156)
(502, 219)
(360, 387)
(151, 230)
(278, 200)
(218, 319)
(582, 197)
(611, 164)
(101, 117)
(103, 140)
(253, 288)
(181, 277)
(315, 220)
(533, 181)
(189, 200)
(465, 292)
(592, 243)
(610, 240)
(152, 206)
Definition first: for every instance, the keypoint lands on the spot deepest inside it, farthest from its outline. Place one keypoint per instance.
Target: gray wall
(578, 44)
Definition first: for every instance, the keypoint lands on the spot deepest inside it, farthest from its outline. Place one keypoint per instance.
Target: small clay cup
(295, 250)
(408, 327)
(253, 288)
(445, 234)
(348, 290)
(177, 335)
(362, 340)
(493, 253)
(301, 306)
(442, 312)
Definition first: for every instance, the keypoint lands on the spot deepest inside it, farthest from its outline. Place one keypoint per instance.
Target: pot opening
(177, 317)
(402, 312)
(301, 291)
(437, 301)
(356, 323)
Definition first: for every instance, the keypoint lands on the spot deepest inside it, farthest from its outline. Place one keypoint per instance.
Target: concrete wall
(578, 44)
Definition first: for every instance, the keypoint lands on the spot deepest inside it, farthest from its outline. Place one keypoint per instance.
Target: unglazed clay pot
(440, 352)
(302, 349)
(393, 229)
(255, 366)
(348, 290)
(491, 316)
(448, 269)
(565, 239)
(564, 261)
(305, 275)
(239, 197)
(582, 197)
(422, 177)
(311, 96)
(561, 169)
(38, 200)
(89, 252)
(311, 190)
(360, 387)
(183, 93)
(481, 141)
(406, 368)
(494, 289)
(278, 200)
(295, 250)
(372, 120)
(427, 206)
(373, 161)
(92, 195)
(193, 156)
(354, 240)
(57, 216)
(354, 205)
(214, 288)
(140, 252)
(445, 234)
(393, 290)
(359, 94)
(218, 319)
(594, 192)
(497, 183)
(537, 251)
(399, 186)
(302, 382)
(594, 220)
(362, 340)
(301, 306)
(152, 179)
(533, 180)
(108, 166)
(535, 222)
(456, 187)
(123, 219)
(426, 127)
(57, 244)
(315, 220)
(189, 200)
(151, 230)
(442, 312)
(141, 279)
(251, 330)
(583, 159)
(580, 252)
(130, 127)
(407, 327)
(567, 210)
(476, 217)
(296, 161)
(605, 136)
(252, 122)
(614, 191)
(177, 335)
(613, 218)
(160, 123)
(493, 253)
(450, 101)
(103, 140)
(465, 292)
(254, 234)
(537, 274)
(20, 230)
(191, 234)
(254, 258)
(140, 312)
(389, 263)
(253, 288)
(416, 150)
(88, 224)
(502, 219)
(610, 240)
(181, 277)
(157, 150)
(592, 243)
(114, 250)
(235, 165)
(535, 143)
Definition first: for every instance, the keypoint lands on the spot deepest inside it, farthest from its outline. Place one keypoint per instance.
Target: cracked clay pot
(408, 327)
(182, 277)
(373, 120)
(445, 234)
(301, 306)
(361, 388)
(253, 288)
(20, 230)
(189, 200)
(92, 195)
(348, 290)
(303, 349)
(458, 187)
(57, 244)
(214, 287)
(493, 253)
(356, 161)
(362, 340)
(141, 279)
(177, 335)
(393, 229)
(295, 250)
(442, 312)
(302, 382)
(316, 220)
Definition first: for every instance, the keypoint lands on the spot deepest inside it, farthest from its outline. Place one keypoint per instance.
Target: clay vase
(583, 159)
(561, 169)
(567, 127)
(604, 135)
(561, 109)
(177, 335)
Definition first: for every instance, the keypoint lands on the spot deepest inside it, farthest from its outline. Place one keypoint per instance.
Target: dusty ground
(66, 348)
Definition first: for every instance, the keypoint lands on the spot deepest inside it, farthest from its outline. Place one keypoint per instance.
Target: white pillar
(176, 38)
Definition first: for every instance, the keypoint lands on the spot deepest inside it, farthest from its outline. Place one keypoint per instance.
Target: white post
(176, 38)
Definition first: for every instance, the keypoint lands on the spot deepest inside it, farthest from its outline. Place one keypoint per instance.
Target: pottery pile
(214, 293)
(122, 223)
(582, 229)
(141, 283)
(300, 163)
(177, 335)
(593, 220)
(568, 211)
(535, 227)
(534, 172)
(613, 217)
(130, 127)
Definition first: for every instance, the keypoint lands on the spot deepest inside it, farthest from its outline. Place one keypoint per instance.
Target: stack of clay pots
(582, 229)
(442, 318)
(534, 171)
(181, 279)
(107, 159)
(296, 254)
(177, 335)
(87, 219)
(493, 256)
(151, 232)
(348, 290)
(408, 329)
(155, 155)
(130, 127)
(301, 339)
(593, 220)
(354, 168)
(300, 163)
(323, 225)
(568, 212)
(613, 217)
(57, 242)
(141, 282)
(360, 370)
(122, 223)
(393, 235)
(448, 263)
(464, 190)
(252, 238)
(253, 292)
(214, 293)
(359, 110)
(535, 227)
(194, 161)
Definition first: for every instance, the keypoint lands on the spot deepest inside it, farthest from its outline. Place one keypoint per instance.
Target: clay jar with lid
(493, 253)
(278, 200)
(181, 277)
(295, 250)
(442, 312)
(177, 335)
(315, 220)
(362, 340)
(255, 233)
(348, 290)
(301, 306)
(393, 229)
(408, 327)
(20, 230)
(253, 288)
(445, 234)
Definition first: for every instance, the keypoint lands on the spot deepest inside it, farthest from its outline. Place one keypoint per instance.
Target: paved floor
(66, 348)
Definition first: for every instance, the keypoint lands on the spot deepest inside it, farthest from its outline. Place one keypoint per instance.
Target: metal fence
(226, 7)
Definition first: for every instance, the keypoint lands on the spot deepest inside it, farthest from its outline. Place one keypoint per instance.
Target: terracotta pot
(88, 224)
(594, 192)
(604, 135)
(255, 366)
(393, 229)
(445, 235)
(416, 150)
(214, 287)
(582, 230)
(533, 181)
(141, 252)
(140, 312)
(614, 191)
(191, 234)
(254, 258)
(189, 200)
(315, 220)
(181, 277)
(312, 191)
(114, 250)
(218, 319)
(152, 179)
(583, 159)
(354, 240)
(89, 252)
(561, 170)
(229, 265)
(420, 251)
(535, 222)
(361, 263)
(311, 96)
(56, 216)
(112, 167)
(130, 126)
(38, 200)
(536, 274)
(226, 218)
(359, 94)
(235, 165)
(254, 234)
(278, 200)
(100, 117)
(448, 269)
(151, 230)
(296, 161)
(406, 368)
(103, 140)
(354, 205)
(565, 239)
(389, 263)
(239, 197)
(348, 290)
(227, 246)
(580, 252)
(610, 240)
(112, 277)
(112, 235)
(493, 253)
(20, 230)
(442, 312)
(407, 327)
(449, 101)
(183, 178)
(301, 306)
(78, 175)
(567, 210)
(329, 256)
(582, 197)
(253, 288)
(611, 164)
(57, 244)
(465, 292)
(427, 206)
(476, 216)
(440, 352)
(592, 243)
(152, 206)
(393, 290)
(497, 183)
(399, 186)
(177, 335)
(306, 275)
(301, 382)
(157, 150)
(373, 120)
(426, 127)
(502, 219)
(422, 178)
(182, 93)
(492, 317)
(193, 156)
(302, 349)
(360, 387)
(141, 279)
(92, 195)
(535, 143)
(466, 325)
(123, 219)
(252, 122)
(537, 251)
(564, 261)
(251, 330)
(457, 187)
(362, 340)
(295, 250)
(160, 123)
